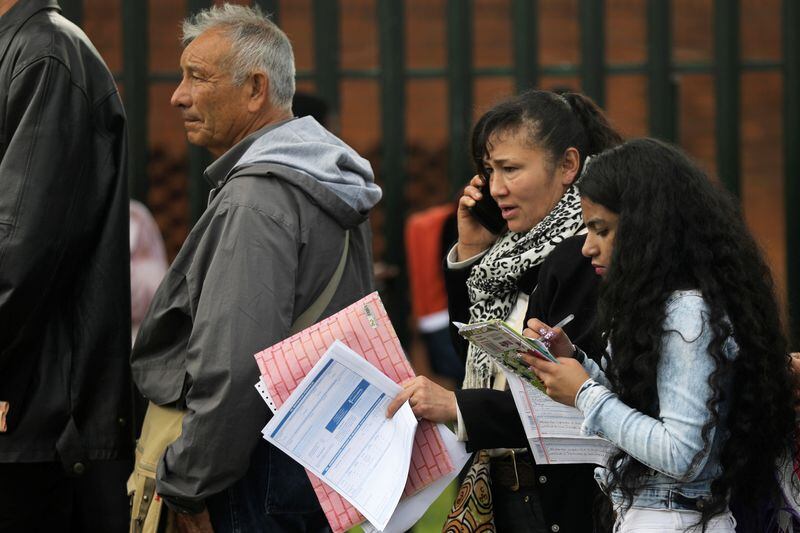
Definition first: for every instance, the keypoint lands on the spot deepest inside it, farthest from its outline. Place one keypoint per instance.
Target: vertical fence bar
(199, 158)
(661, 88)
(791, 150)
(591, 17)
(390, 20)
(136, 89)
(525, 22)
(392, 102)
(271, 7)
(326, 51)
(726, 58)
(459, 81)
(73, 10)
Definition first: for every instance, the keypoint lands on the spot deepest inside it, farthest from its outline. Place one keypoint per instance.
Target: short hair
(256, 44)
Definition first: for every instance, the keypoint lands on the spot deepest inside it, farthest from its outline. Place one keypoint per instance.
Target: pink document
(365, 328)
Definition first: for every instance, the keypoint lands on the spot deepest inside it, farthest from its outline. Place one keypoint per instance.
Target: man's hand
(194, 523)
(796, 362)
(561, 381)
(427, 399)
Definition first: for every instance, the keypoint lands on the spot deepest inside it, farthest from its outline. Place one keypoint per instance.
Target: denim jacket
(681, 467)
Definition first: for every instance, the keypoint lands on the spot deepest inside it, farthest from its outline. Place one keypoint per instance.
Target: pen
(549, 335)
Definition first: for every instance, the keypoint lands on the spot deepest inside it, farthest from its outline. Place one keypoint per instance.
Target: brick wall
(426, 113)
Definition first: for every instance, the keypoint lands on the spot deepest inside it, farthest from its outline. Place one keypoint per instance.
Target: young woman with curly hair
(696, 390)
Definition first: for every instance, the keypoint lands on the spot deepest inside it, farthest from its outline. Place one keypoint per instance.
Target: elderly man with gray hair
(289, 205)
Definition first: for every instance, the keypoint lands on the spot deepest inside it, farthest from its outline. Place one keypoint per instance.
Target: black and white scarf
(492, 284)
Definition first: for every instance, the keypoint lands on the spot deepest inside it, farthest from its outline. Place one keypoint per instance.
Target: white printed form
(554, 429)
(335, 425)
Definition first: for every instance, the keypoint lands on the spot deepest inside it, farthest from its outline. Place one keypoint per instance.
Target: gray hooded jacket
(262, 252)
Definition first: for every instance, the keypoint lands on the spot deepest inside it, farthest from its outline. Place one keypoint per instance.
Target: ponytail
(599, 133)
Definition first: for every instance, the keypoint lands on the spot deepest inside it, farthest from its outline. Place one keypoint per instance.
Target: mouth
(599, 269)
(508, 211)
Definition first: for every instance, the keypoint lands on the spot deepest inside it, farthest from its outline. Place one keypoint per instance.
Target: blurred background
(404, 80)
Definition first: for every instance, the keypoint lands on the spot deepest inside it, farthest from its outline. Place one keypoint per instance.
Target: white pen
(549, 335)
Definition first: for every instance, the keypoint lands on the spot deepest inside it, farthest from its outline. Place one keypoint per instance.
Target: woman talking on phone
(696, 390)
(528, 151)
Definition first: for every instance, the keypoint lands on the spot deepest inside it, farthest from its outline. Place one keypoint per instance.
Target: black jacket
(564, 283)
(64, 253)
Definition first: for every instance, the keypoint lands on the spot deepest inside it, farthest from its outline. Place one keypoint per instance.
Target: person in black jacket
(530, 150)
(66, 441)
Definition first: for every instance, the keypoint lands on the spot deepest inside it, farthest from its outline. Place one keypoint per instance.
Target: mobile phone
(487, 212)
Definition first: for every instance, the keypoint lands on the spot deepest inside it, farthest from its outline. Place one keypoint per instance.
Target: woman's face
(525, 185)
(602, 226)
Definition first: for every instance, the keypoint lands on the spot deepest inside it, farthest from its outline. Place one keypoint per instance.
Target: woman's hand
(562, 381)
(473, 238)
(556, 340)
(427, 399)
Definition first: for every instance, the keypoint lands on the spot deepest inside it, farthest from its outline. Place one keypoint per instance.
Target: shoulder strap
(315, 310)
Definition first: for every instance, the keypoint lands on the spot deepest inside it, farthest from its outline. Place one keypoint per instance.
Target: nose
(589, 248)
(497, 185)
(180, 98)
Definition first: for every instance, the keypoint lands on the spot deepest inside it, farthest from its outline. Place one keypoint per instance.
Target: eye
(487, 171)
(509, 170)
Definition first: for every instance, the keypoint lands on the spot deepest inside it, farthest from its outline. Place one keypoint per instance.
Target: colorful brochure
(504, 344)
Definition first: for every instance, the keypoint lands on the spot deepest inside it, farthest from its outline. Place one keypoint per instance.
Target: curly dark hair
(678, 230)
(554, 122)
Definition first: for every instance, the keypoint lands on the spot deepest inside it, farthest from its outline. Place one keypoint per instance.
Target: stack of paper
(335, 425)
(554, 429)
(365, 328)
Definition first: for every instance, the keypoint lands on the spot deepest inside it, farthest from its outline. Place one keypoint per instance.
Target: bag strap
(315, 310)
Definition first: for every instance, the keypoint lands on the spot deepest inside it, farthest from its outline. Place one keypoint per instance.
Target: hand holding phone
(488, 213)
(473, 237)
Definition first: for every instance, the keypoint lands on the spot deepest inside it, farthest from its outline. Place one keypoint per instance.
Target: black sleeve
(455, 283)
(491, 419)
(568, 284)
(40, 166)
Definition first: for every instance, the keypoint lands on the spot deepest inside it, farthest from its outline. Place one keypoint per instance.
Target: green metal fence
(593, 70)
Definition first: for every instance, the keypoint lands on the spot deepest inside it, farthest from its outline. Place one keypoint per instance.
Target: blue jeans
(275, 495)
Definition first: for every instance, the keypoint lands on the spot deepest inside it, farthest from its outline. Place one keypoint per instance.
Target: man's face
(214, 109)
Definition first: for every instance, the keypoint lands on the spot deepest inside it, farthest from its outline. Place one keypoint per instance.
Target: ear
(569, 166)
(258, 92)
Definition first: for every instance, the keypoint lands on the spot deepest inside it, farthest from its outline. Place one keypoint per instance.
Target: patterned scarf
(492, 285)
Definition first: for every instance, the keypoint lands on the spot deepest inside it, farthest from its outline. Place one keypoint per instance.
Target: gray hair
(257, 44)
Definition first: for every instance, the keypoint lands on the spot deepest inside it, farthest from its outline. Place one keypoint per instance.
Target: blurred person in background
(148, 262)
(65, 424)
(529, 150)
(428, 236)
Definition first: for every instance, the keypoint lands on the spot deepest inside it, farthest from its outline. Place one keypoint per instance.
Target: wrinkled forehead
(211, 49)
(516, 137)
(522, 135)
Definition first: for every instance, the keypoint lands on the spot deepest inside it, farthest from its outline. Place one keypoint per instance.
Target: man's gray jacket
(262, 252)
